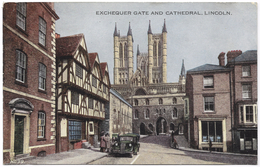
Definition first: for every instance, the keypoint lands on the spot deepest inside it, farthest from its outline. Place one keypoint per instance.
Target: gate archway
(161, 126)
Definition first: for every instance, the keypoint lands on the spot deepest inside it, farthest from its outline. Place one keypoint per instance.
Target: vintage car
(125, 144)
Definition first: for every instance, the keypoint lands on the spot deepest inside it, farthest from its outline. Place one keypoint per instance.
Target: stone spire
(164, 27)
(115, 32)
(182, 69)
(129, 30)
(149, 29)
(138, 51)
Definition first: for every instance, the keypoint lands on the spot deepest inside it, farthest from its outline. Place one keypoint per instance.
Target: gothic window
(20, 66)
(147, 101)
(160, 101)
(147, 114)
(154, 54)
(42, 76)
(121, 55)
(136, 114)
(125, 55)
(136, 102)
(160, 53)
(21, 15)
(174, 100)
(174, 113)
(42, 31)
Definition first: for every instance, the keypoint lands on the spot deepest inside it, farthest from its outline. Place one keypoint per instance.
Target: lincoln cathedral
(158, 106)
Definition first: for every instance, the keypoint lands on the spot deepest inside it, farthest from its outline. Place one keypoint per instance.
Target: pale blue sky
(198, 39)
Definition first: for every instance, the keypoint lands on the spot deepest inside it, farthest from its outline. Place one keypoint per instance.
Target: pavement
(86, 156)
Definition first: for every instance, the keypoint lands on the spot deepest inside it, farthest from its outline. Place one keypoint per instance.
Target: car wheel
(135, 153)
(131, 155)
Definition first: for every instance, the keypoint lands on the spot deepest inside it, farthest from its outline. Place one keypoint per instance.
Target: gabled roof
(103, 68)
(208, 67)
(92, 58)
(67, 46)
(250, 55)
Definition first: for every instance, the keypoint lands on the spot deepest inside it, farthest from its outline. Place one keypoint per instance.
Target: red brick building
(208, 90)
(82, 91)
(244, 99)
(223, 103)
(29, 79)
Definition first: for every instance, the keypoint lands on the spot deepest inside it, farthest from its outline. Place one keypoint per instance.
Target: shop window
(75, 130)
(211, 130)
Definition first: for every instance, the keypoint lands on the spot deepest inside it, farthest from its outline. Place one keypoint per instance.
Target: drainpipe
(230, 85)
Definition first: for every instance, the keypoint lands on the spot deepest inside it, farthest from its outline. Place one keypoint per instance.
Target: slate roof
(207, 67)
(67, 46)
(118, 95)
(250, 55)
(92, 58)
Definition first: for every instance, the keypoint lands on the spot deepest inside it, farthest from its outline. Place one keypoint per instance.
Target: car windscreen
(126, 138)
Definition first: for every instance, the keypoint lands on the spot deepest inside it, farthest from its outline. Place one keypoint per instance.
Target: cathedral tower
(123, 57)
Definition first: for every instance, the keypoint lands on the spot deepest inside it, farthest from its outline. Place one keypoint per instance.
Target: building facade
(244, 99)
(222, 103)
(157, 105)
(29, 80)
(82, 92)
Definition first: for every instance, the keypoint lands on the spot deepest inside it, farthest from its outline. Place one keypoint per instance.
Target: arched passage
(161, 126)
(142, 129)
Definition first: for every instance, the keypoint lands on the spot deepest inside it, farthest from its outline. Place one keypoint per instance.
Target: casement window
(160, 101)
(147, 114)
(42, 76)
(75, 98)
(136, 114)
(211, 130)
(21, 15)
(42, 31)
(104, 88)
(41, 125)
(75, 130)
(246, 91)
(94, 81)
(136, 102)
(208, 82)
(208, 104)
(174, 113)
(246, 71)
(248, 113)
(147, 102)
(21, 60)
(79, 71)
(90, 103)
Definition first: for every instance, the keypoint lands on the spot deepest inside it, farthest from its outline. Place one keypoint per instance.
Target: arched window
(136, 102)
(155, 54)
(125, 55)
(174, 113)
(136, 114)
(160, 101)
(174, 100)
(121, 55)
(147, 101)
(147, 114)
(172, 126)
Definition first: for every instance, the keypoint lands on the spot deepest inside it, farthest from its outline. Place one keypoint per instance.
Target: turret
(116, 55)
(164, 54)
(130, 52)
(150, 53)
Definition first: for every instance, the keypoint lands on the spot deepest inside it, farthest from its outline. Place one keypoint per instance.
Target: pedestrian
(210, 145)
(102, 142)
(107, 142)
(175, 144)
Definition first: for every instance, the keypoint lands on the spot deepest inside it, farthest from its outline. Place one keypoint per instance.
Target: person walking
(175, 144)
(107, 142)
(102, 143)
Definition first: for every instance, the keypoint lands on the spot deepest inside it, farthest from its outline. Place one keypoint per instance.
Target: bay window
(248, 113)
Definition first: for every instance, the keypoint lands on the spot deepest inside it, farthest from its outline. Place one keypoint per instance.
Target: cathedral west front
(158, 106)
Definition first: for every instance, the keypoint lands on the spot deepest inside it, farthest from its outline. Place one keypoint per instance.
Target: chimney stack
(57, 35)
(233, 54)
(221, 59)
